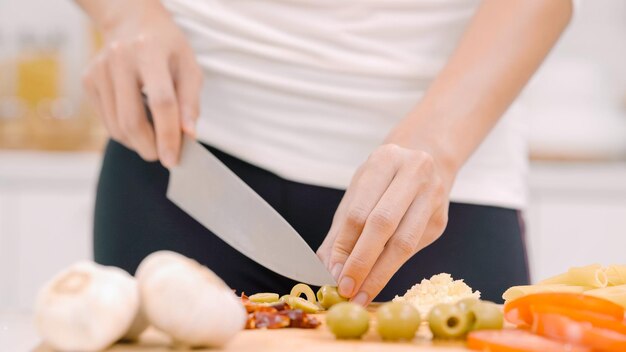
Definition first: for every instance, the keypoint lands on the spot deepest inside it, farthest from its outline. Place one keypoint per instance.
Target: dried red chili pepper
(276, 316)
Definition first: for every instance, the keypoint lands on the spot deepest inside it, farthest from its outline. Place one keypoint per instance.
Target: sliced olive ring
(301, 303)
(264, 297)
(299, 289)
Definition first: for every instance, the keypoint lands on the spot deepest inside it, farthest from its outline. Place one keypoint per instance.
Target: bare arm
(502, 48)
(109, 14)
(397, 202)
(144, 52)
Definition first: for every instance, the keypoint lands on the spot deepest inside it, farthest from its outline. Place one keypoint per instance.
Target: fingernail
(189, 124)
(346, 286)
(361, 298)
(336, 271)
(168, 159)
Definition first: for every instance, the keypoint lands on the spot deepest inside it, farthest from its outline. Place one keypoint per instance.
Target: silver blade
(206, 189)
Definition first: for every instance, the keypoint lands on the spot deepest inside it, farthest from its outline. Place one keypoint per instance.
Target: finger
(323, 252)
(159, 88)
(435, 228)
(367, 191)
(400, 247)
(96, 103)
(188, 81)
(92, 96)
(131, 115)
(100, 86)
(379, 227)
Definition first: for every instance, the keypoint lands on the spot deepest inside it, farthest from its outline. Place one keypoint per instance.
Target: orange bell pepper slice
(595, 319)
(582, 333)
(519, 311)
(516, 341)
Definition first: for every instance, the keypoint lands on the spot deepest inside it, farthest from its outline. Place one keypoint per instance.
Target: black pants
(482, 244)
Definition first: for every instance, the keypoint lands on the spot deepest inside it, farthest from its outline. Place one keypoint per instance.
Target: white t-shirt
(307, 89)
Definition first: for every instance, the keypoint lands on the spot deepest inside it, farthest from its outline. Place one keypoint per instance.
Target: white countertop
(29, 167)
(17, 332)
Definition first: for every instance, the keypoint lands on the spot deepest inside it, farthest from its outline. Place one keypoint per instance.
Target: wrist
(114, 17)
(409, 134)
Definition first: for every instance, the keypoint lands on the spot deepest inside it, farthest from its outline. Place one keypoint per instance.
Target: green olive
(301, 303)
(448, 321)
(264, 297)
(347, 320)
(397, 321)
(486, 316)
(328, 296)
(466, 303)
(299, 289)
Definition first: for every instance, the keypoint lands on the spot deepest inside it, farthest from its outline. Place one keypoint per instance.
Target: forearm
(108, 14)
(502, 47)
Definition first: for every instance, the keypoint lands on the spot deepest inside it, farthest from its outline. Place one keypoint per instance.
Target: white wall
(576, 217)
(577, 100)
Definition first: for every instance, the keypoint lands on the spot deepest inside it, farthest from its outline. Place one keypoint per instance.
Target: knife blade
(207, 190)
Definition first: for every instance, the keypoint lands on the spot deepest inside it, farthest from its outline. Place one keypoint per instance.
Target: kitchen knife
(207, 190)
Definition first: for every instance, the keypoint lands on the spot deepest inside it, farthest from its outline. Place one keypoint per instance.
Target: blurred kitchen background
(51, 142)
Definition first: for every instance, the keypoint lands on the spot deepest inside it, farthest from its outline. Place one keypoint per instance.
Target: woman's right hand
(145, 52)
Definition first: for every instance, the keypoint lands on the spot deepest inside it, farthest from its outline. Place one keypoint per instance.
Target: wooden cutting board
(298, 340)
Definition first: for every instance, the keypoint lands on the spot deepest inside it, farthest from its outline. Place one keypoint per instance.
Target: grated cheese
(441, 288)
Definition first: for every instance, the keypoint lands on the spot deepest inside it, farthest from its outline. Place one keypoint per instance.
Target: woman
(407, 105)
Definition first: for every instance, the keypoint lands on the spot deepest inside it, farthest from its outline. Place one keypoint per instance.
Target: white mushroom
(139, 324)
(87, 307)
(188, 301)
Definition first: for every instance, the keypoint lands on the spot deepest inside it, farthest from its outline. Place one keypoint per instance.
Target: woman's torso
(307, 89)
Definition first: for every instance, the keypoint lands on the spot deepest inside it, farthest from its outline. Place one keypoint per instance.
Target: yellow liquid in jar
(38, 77)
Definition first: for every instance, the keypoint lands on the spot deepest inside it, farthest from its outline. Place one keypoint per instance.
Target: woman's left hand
(396, 204)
